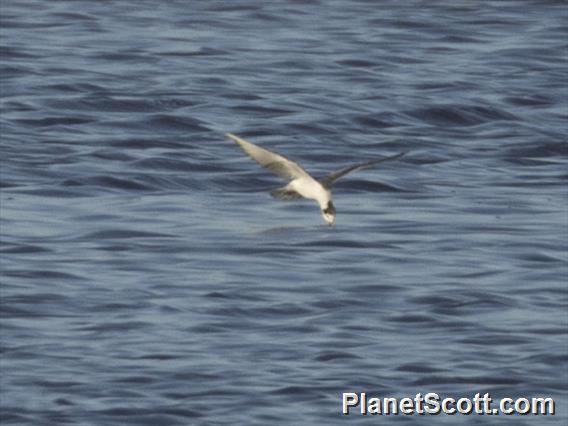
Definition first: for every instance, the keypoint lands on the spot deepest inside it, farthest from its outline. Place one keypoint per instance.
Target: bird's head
(328, 213)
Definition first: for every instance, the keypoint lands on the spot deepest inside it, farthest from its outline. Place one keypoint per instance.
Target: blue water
(149, 279)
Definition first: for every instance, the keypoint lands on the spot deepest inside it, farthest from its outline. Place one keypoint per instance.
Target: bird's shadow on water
(282, 230)
(294, 229)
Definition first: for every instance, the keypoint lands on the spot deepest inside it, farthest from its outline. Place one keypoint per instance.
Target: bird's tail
(285, 193)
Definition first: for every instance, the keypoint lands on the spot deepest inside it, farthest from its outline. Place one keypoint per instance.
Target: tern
(301, 183)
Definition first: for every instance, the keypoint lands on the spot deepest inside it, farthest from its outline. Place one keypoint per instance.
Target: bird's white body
(301, 184)
(311, 189)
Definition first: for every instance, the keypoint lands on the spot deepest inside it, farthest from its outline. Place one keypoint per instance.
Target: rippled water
(149, 278)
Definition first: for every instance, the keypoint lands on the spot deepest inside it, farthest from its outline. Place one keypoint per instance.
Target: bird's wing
(330, 179)
(276, 163)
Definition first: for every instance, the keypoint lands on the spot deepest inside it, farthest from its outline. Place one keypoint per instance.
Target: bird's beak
(330, 222)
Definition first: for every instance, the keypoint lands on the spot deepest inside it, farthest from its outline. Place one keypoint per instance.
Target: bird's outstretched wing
(330, 179)
(276, 163)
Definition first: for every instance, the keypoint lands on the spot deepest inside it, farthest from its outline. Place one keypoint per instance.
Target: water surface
(149, 279)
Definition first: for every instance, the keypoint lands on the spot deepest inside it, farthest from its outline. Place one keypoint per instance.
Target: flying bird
(301, 184)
